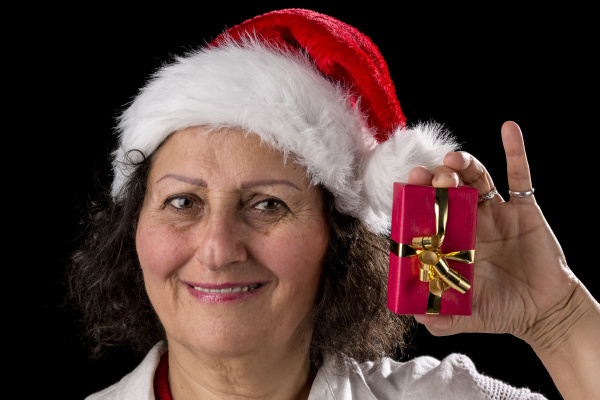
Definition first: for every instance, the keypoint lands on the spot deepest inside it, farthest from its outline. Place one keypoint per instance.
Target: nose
(220, 241)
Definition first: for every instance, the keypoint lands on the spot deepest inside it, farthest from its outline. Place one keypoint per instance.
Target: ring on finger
(521, 194)
(487, 196)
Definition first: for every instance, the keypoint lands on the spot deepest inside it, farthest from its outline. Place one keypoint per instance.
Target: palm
(520, 270)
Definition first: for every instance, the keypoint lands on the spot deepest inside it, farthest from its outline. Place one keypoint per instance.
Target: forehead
(225, 151)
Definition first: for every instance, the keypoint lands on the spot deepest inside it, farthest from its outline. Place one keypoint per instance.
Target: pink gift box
(413, 215)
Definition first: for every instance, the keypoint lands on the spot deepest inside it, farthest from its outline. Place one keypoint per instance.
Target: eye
(181, 202)
(269, 205)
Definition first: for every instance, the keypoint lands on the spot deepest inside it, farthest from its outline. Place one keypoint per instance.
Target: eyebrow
(185, 179)
(245, 185)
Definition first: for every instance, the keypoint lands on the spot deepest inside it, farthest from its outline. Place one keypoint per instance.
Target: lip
(210, 292)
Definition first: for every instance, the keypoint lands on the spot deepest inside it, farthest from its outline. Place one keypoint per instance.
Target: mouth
(233, 289)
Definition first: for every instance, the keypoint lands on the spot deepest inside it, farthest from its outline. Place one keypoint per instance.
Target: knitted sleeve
(453, 378)
(491, 388)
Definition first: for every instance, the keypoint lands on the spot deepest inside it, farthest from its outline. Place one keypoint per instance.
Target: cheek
(160, 251)
(296, 257)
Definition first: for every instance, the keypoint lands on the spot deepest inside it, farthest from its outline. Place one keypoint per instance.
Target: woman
(253, 187)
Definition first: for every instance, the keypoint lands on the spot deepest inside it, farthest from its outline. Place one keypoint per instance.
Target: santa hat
(313, 87)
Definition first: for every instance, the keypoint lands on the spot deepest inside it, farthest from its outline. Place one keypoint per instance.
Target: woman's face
(231, 242)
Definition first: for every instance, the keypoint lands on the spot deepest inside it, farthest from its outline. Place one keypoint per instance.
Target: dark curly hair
(105, 283)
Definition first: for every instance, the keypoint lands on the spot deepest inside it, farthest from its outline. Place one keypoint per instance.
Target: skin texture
(556, 315)
(222, 209)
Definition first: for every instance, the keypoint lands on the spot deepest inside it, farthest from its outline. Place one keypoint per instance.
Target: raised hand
(522, 283)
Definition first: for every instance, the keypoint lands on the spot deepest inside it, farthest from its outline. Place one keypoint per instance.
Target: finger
(444, 176)
(471, 172)
(420, 176)
(444, 325)
(517, 167)
(437, 325)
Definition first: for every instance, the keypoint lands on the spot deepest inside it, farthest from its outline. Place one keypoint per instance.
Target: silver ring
(521, 194)
(487, 196)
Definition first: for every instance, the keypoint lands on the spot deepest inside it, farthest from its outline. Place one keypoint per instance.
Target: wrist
(561, 325)
(566, 341)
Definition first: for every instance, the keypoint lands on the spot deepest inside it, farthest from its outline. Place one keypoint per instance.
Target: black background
(468, 68)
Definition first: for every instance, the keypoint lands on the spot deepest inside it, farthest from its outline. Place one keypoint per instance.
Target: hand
(522, 283)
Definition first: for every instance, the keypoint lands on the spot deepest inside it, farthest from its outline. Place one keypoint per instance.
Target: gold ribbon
(433, 267)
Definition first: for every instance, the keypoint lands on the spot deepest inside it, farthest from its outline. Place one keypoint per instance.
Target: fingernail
(447, 178)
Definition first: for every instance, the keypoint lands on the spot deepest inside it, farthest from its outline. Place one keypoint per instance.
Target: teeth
(237, 289)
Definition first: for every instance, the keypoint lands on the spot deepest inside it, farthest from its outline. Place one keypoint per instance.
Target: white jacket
(455, 377)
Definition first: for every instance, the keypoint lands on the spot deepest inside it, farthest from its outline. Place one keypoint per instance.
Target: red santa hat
(313, 87)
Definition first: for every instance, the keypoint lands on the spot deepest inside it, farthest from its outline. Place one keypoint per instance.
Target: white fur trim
(285, 100)
(391, 161)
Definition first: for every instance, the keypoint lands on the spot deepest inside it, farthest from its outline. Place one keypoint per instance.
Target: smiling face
(231, 243)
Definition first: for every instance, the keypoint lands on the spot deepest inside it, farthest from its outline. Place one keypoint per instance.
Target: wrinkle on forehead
(221, 148)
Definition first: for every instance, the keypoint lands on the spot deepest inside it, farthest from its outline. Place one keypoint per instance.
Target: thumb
(443, 325)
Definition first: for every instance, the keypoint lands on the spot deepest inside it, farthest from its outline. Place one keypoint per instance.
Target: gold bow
(433, 267)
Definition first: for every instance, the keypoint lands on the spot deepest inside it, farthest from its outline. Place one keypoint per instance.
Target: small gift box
(432, 250)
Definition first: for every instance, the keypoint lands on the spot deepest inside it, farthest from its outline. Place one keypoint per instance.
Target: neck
(265, 374)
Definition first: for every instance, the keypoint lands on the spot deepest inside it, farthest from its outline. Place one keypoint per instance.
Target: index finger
(517, 167)
(473, 173)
